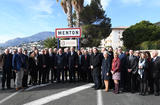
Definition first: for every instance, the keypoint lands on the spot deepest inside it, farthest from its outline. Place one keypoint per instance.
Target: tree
(78, 6)
(50, 42)
(95, 24)
(67, 7)
(139, 33)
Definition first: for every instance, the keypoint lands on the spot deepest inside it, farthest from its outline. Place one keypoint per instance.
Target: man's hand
(44, 66)
(129, 70)
(91, 66)
(15, 71)
(107, 74)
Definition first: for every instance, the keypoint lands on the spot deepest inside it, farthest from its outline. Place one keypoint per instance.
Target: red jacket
(116, 65)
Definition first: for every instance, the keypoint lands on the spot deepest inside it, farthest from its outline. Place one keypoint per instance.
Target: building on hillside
(114, 38)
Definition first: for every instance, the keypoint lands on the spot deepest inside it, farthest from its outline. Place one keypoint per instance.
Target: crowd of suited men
(117, 71)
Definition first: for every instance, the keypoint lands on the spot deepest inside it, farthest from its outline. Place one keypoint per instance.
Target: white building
(114, 38)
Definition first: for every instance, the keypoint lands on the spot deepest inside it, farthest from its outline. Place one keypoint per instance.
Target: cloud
(132, 1)
(45, 6)
(104, 3)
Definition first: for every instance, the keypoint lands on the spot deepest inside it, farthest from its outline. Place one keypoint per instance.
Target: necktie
(86, 57)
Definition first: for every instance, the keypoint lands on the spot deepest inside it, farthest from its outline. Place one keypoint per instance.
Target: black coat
(106, 68)
(31, 64)
(52, 60)
(43, 60)
(85, 64)
(72, 60)
(132, 64)
(6, 64)
(60, 61)
(96, 63)
(155, 68)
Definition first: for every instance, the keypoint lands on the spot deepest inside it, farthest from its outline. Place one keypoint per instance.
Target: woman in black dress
(105, 70)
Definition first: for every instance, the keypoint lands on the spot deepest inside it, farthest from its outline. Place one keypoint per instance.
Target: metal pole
(78, 43)
(58, 43)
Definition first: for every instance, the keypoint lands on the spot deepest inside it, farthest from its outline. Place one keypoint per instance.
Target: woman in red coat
(116, 72)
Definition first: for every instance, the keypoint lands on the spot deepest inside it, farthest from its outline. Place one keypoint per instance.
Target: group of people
(127, 71)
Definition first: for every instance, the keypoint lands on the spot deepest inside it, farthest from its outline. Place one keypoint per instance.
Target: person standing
(60, 65)
(143, 73)
(155, 68)
(38, 68)
(85, 67)
(43, 65)
(66, 53)
(106, 70)
(19, 66)
(73, 64)
(32, 68)
(79, 69)
(123, 69)
(25, 76)
(47, 64)
(51, 63)
(96, 68)
(116, 72)
(6, 59)
(132, 66)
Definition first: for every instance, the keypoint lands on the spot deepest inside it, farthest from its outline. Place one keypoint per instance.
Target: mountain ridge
(36, 37)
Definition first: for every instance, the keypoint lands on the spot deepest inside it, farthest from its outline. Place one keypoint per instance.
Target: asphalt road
(72, 94)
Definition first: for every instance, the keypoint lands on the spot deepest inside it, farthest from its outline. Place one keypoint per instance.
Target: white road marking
(37, 86)
(57, 96)
(30, 88)
(7, 98)
(99, 97)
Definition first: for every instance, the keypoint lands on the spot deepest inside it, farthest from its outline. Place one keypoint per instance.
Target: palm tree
(67, 7)
(78, 6)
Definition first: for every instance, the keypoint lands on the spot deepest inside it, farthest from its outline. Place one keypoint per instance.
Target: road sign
(68, 32)
(68, 43)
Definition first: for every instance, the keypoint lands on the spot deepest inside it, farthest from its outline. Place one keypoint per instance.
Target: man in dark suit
(6, 69)
(132, 64)
(43, 66)
(85, 66)
(67, 66)
(155, 68)
(51, 63)
(25, 75)
(123, 69)
(96, 68)
(73, 64)
(60, 65)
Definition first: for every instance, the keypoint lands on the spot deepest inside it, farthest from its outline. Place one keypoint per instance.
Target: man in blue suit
(19, 66)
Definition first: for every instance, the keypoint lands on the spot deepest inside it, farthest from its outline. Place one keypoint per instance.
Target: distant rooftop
(120, 27)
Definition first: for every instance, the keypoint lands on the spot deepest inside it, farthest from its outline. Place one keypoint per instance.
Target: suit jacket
(155, 68)
(123, 59)
(5, 63)
(72, 60)
(60, 62)
(43, 60)
(96, 63)
(52, 60)
(19, 62)
(132, 64)
(85, 62)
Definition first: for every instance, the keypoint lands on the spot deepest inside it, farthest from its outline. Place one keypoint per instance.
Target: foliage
(139, 33)
(150, 45)
(95, 24)
(50, 42)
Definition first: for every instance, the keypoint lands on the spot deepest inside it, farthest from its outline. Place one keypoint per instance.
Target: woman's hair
(32, 55)
(143, 53)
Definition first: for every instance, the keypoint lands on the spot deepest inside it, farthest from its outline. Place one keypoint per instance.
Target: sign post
(68, 33)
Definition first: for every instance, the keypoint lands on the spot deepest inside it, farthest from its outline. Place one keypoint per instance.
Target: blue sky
(21, 18)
